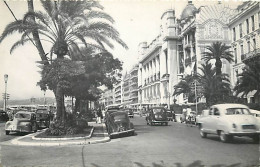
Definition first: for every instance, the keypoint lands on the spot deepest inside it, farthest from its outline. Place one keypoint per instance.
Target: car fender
(223, 125)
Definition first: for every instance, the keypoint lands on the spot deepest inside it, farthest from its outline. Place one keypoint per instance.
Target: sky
(136, 20)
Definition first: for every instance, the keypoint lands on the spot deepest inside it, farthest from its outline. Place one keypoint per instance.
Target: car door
(215, 117)
(207, 121)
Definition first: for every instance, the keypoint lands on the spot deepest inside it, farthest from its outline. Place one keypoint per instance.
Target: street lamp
(6, 79)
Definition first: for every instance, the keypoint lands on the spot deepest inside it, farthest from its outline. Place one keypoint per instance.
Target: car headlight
(234, 126)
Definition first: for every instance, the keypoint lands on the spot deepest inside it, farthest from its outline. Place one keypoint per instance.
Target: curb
(68, 138)
(83, 141)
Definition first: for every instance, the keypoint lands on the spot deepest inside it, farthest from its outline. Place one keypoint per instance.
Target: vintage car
(119, 123)
(228, 120)
(22, 122)
(3, 116)
(130, 112)
(42, 118)
(157, 115)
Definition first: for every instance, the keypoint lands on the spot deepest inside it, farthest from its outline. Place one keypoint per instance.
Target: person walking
(99, 115)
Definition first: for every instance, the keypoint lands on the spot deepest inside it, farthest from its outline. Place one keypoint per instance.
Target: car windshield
(22, 115)
(158, 111)
(119, 117)
(237, 111)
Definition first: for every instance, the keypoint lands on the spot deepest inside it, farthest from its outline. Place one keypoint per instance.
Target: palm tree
(218, 51)
(249, 79)
(213, 87)
(185, 87)
(67, 25)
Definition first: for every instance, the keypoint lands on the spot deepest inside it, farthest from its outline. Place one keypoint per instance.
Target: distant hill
(39, 101)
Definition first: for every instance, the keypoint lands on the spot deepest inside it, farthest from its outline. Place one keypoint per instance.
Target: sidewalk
(98, 135)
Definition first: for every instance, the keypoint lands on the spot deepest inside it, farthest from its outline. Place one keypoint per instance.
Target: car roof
(229, 105)
(24, 112)
(119, 113)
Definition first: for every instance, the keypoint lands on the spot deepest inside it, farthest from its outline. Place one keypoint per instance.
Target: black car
(157, 115)
(3, 116)
(119, 123)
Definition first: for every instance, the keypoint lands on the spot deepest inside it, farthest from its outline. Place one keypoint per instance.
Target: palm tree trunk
(218, 65)
(36, 36)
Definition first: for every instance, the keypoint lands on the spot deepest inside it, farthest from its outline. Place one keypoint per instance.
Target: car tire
(7, 132)
(166, 124)
(224, 137)
(255, 139)
(151, 123)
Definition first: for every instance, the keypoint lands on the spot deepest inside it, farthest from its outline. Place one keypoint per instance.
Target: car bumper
(244, 133)
(18, 130)
(154, 121)
(122, 132)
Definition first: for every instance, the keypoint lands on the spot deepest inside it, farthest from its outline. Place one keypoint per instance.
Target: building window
(247, 26)
(254, 44)
(248, 46)
(234, 34)
(240, 30)
(253, 22)
(235, 53)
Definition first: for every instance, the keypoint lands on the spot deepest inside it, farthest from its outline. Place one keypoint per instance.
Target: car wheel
(151, 123)
(224, 137)
(202, 134)
(256, 138)
(166, 124)
(7, 132)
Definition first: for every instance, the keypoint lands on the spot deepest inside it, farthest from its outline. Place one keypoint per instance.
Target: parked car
(228, 120)
(130, 112)
(22, 122)
(119, 123)
(42, 118)
(3, 116)
(157, 115)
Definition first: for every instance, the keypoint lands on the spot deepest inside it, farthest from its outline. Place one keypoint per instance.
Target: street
(173, 145)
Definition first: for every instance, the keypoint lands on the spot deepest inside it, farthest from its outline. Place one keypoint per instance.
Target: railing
(250, 55)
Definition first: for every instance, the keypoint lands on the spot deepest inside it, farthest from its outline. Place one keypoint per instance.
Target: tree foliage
(249, 79)
(218, 51)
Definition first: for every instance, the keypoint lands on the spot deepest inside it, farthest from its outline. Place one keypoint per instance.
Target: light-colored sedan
(228, 120)
(22, 122)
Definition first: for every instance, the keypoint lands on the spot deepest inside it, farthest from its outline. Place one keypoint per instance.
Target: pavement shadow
(142, 129)
(235, 140)
(197, 163)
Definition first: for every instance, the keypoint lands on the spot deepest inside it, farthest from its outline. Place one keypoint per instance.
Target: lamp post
(44, 92)
(6, 79)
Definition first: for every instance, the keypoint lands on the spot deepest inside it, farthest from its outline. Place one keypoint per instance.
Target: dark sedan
(119, 123)
(3, 116)
(157, 115)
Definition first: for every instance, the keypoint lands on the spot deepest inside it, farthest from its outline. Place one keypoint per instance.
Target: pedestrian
(184, 112)
(99, 115)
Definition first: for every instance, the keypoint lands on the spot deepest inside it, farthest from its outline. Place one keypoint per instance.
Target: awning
(251, 93)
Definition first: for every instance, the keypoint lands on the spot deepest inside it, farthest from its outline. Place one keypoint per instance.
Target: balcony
(251, 55)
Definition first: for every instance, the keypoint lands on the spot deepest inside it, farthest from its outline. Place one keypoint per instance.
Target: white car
(228, 120)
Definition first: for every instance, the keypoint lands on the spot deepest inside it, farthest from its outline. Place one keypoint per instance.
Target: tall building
(244, 28)
(200, 28)
(118, 93)
(157, 73)
(134, 87)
